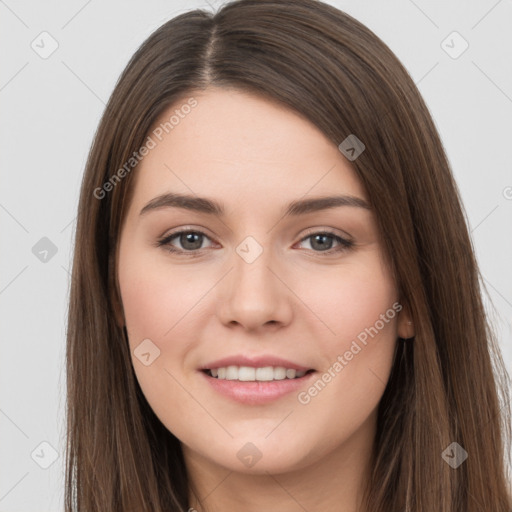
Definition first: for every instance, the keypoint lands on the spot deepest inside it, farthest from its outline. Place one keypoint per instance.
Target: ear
(405, 324)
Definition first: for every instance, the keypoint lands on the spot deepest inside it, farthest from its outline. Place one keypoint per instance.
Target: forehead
(243, 149)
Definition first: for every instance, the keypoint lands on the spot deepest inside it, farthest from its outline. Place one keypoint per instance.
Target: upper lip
(255, 362)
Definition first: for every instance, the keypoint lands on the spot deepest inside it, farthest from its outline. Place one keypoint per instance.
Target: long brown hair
(448, 384)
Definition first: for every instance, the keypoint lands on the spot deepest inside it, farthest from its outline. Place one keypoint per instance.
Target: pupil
(322, 246)
(189, 238)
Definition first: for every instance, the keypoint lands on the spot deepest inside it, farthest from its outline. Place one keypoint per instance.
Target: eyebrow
(211, 207)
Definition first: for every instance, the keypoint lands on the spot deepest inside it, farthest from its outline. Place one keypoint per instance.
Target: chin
(262, 457)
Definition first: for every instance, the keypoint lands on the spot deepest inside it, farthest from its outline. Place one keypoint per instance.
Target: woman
(275, 301)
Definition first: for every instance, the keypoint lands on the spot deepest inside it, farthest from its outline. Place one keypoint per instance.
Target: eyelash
(344, 244)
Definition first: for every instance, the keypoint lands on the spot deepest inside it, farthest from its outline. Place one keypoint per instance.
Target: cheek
(161, 304)
(357, 333)
(157, 298)
(349, 300)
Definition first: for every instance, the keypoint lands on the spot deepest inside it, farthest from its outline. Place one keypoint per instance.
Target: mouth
(250, 385)
(255, 379)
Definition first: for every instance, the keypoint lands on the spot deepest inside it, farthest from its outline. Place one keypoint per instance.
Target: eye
(323, 240)
(190, 240)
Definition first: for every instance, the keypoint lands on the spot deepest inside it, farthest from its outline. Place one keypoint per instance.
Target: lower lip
(256, 392)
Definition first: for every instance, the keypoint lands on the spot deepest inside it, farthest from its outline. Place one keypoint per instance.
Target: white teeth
(231, 373)
(280, 373)
(248, 373)
(291, 374)
(265, 373)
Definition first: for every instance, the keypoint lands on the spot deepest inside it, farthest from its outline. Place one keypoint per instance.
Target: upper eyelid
(330, 231)
(185, 229)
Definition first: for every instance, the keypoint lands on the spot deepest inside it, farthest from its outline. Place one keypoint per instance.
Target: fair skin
(294, 301)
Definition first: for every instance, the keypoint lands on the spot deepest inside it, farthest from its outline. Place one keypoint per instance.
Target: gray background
(51, 107)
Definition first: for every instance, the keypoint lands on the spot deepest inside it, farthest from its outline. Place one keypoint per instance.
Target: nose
(255, 295)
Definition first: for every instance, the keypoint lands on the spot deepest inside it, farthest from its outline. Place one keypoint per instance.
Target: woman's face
(256, 284)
